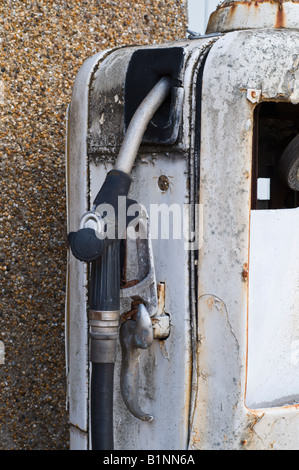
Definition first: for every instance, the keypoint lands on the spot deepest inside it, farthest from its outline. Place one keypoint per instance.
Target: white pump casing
(194, 383)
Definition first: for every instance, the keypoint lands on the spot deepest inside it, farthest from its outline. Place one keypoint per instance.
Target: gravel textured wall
(43, 44)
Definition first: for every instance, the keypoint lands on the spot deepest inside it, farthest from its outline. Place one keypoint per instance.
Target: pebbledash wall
(43, 44)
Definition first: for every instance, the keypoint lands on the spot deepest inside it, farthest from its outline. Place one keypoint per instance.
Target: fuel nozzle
(89, 242)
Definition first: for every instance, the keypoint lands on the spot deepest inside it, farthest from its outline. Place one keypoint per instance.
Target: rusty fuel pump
(182, 310)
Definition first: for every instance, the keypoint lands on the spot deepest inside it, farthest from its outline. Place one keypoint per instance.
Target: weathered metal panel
(78, 439)
(166, 369)
(246, 14)
(265, 61)
(77, 202)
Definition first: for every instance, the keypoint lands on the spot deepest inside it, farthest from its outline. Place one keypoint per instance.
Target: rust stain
(212, 17)
(210, 302)
(245, 272)
(254, 421)
(195, 443)
(131, 313)
(161, 297)
(125, 285)
(280, 16)
(233, 4)
(232, 10)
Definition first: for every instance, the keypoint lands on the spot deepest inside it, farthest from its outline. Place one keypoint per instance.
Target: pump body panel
(243, 70)
(194, 382)
(161, 181)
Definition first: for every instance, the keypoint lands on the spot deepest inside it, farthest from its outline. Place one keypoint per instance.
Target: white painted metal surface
(273, 314)
(76, 299)
(166, 365)
(245, 14)
(237, 62)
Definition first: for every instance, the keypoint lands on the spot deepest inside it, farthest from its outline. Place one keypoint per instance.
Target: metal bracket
(134, 335)
(146, 289)
(148, 323)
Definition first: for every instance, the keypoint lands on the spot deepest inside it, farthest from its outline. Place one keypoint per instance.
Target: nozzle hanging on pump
(88, 245)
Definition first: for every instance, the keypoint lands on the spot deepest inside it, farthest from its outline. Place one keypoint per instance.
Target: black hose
(104, 290)
(102, 406)
(105, 297)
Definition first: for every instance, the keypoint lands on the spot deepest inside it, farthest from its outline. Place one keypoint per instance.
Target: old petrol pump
(183, 219)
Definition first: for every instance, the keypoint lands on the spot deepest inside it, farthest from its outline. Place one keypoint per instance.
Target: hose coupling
(103, 333)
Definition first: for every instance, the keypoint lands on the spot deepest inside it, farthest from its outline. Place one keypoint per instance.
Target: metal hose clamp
(104, 329)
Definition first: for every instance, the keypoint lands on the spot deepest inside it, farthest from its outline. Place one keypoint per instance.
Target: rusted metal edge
(256, 3)
(236, 15)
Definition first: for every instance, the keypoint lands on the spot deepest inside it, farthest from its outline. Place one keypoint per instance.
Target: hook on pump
(134, 335)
